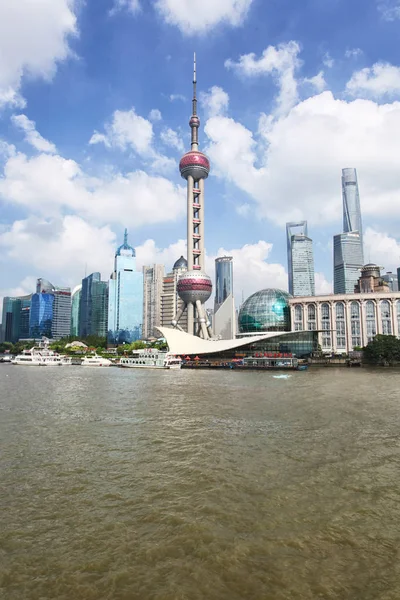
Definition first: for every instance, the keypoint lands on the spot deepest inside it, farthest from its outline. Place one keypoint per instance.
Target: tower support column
(201, 228)
(190, 184)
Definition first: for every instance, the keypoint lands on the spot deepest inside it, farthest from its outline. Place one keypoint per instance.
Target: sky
(95, 99)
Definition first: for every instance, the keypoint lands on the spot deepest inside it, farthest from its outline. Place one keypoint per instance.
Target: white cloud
(170, 138)
(328, 61)
(382, 79)
(281, 62)
(174, 97)
(49, 184)
(293, 171)
(215, 101)
(353, 53)
(148, 253)
(32, 136)
(196, 18)
(133, 6)
(382, 249)
(127, 129)
(155, 115)
(389, 9)
(317, 82)
(59, 249)
(322, 285)
(33, 39)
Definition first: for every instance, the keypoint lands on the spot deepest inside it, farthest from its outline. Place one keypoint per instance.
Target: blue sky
(94, 108)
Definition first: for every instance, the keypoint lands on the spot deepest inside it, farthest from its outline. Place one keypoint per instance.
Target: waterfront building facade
(347, 262)
(153, 279)
(347, 321)
(50, 313)
(171, 303)
(300, 256)
(93, 310)
(392, 280)
(125, 301)
(75, 309)
(223, 319)
(15, 318)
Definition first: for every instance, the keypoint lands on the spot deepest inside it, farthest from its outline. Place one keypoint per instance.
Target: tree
(383, 350)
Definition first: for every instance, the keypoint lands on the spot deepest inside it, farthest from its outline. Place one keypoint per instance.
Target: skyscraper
(75, 309)
(347, 262)
(15, 318)
(223, 280)
(125, 300)
(153, 277)
(195, 287)
(351, 203)
(171, 304)
(300, 259)
(224, 314)
(391, 279)
(348, 253)
(93, 312)
(50, 313)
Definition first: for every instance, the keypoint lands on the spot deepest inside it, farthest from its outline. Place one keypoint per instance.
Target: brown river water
(160, 485)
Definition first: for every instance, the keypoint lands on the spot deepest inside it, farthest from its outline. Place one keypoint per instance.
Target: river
(184, 485)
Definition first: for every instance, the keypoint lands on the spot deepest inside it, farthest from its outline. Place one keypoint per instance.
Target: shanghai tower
(351, 203)
(195, 286)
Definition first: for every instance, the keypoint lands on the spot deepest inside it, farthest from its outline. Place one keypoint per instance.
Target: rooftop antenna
(125, 237)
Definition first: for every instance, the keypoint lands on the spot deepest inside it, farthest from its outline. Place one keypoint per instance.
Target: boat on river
(150, 358)
(96, 361)
(38, 356)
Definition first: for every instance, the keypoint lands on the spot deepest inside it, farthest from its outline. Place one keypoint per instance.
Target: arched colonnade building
(347, 321)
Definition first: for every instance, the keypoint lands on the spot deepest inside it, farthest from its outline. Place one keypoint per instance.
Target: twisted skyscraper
(194, 287)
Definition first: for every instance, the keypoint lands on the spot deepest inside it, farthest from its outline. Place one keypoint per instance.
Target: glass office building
(300, 256)
(351, 204)
(347, 262)
(93, 311)
(50, 313)
(125, 301)
(266, 310)
(15, 318)
(223, 280)
(75, 310)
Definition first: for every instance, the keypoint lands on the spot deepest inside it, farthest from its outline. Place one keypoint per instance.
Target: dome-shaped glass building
(266, 310)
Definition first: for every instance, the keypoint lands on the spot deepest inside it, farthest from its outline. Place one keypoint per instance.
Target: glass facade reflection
(300, 343)
(125, 302)
(266, 310)
(75, 310)
(15, 318)
(223, 280)
(41, 317)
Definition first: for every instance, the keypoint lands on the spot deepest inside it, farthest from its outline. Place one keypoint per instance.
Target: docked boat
(271, 360)
(38, 356)
(96, 361)
(68, 361)
(150, 358)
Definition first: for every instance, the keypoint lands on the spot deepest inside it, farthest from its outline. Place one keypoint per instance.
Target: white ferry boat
(96, 361)
(150, 358)
(38, 356)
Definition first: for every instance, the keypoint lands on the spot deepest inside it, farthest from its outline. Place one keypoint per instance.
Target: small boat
(6, 359)
(68, 361)
(38, 356)
(150, 358)
(96, 361)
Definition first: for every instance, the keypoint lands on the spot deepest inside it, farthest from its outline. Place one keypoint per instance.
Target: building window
(312, 317)
(385, 314)
(298, 317)
(371, 320)
(326, 325)
(340, 326)
(355, 324)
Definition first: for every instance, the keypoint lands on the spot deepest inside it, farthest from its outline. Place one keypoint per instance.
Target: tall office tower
(153, 277)
(125, 297)
(347, 262)
(171, 303)
(300, 259)
(391, 279)
(348, 252)
(224, 315)
(15, 318)
(50, 313)
(93, 312)
(75, 309)
(195, 287)
(351, 204)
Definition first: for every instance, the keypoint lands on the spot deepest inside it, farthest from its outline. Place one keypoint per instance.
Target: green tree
(383, 350)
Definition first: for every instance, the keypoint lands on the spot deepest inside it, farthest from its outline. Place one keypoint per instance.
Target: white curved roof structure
(180, 342)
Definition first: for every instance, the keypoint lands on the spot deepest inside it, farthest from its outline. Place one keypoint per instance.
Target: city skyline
(108, 138)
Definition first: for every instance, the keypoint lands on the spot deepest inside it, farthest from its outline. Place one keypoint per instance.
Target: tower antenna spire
(125, 237)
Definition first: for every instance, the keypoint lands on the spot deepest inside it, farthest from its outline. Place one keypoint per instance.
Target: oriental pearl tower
(195, 287)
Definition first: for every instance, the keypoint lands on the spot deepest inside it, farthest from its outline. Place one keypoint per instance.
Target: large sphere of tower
(193, 286)
(196, 164)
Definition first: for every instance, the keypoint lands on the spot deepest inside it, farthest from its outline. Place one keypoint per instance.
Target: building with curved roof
(266, 310)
